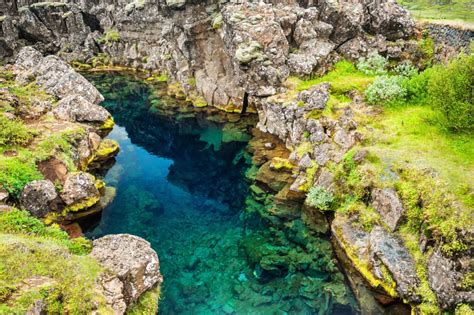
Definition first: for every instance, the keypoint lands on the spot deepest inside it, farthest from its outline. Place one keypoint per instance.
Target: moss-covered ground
(39, 262)
(459, 11)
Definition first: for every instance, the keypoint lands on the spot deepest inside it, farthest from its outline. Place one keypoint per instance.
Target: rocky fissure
(239, 57)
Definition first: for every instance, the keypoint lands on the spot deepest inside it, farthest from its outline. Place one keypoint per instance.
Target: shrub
(320, 198)
(451, 91)
(13, 132)
(374, 64)
(416, 87)
(385, 89)
(405, 69)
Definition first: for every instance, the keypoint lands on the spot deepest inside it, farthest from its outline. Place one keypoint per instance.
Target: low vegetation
(460, 10)
(39, 262)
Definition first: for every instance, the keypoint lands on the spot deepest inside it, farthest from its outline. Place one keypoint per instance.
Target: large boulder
(54, 76)
(388, 205)
(38, 197)
(77, 108)
(387, 250)
(79, 191)
(446, 276)
(133, 268)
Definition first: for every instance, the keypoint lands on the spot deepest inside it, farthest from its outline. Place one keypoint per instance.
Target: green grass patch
(30, 250)
(147, 304)
(408, 134)
(14, 132)
(441, 10)
(344, 77)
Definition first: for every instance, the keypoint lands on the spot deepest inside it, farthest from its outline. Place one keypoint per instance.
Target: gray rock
(387, 250)
(55, 76)
(316, 97)
(37, 197)
(79, 190)
(445, 276)
(76, 108)
(388, 205)
(133, 268)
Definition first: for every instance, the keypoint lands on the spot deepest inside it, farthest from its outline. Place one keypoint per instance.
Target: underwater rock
(79, 191)
(38, 197)
(388, 205)
(133, 265)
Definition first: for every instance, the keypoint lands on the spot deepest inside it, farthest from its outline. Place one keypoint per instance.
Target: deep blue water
(179, 180)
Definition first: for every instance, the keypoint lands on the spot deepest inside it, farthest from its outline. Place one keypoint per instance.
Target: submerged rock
(133, 268)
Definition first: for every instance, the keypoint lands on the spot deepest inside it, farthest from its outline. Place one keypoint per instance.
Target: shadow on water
(180, 184)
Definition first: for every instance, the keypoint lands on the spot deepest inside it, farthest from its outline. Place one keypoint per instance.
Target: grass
(456, 10)
(409, 134)
(30, 250)
(344, 77)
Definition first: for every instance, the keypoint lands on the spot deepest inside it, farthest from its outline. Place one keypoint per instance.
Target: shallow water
(180, 184)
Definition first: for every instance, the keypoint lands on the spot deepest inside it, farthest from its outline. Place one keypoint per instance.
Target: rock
(107, 149)
(38, 307)
(445, 276)
(76, 108)
(385, 248)
(53, 169)
(74, 230)
(3, 196)
(38, 197)
(175, 4)
(388, 205)
(79, 191)
(316, 97)
(55, 76)
(133, 265)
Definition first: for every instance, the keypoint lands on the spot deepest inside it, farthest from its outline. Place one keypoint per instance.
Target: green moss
(147, 304)
(444, 11)
(463, 309)
(344, 77)
(111, 36)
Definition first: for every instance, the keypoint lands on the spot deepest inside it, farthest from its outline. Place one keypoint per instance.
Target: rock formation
(132, 268)
(227, 51)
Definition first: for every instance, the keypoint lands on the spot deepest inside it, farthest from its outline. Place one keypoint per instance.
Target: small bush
(374, 64)
(385, 89)
(416, 87)
(451, 91)
(405, 69)
(13, 132)
(320, 198)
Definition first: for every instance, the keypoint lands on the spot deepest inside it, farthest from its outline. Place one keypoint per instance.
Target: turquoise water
(180, 183)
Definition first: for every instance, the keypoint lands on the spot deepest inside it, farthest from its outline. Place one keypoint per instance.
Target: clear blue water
(180, 183)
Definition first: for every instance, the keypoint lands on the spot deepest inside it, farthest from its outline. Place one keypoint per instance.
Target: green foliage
(373, 64)
(147, 303)
(21, 222)
(111, 36)
(405, 69)
(385, 89)
(320, 198)
(451, 91)
(416, 87)
(14, 132)
(463, 309)
(458, 10)
(15, 173)
(343, 78)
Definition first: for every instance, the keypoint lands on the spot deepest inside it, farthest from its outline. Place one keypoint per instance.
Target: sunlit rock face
(224, 51)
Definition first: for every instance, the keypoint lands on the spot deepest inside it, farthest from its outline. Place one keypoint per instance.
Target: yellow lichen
(106, 149)
(81, 205)
(278, 163)
(108, 124)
